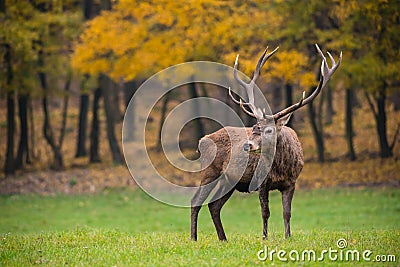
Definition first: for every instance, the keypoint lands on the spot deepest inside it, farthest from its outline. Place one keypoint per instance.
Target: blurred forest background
(69, 68)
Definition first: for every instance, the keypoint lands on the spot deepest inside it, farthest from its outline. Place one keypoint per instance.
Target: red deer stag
(227, 143)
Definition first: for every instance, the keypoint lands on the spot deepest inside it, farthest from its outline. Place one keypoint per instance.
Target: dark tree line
(106, 90)
(344, 29)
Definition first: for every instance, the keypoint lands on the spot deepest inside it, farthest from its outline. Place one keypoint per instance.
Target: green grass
(128, 228)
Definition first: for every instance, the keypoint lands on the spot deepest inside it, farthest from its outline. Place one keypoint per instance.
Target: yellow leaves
(124, 66)
(307, 79)
(27, 30)
(157, 34)
(129, 38)
(164, 17)
(142, 9)
(101, 65)
(290, 67)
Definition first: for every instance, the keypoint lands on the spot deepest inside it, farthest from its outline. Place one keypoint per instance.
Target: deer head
(268, 126)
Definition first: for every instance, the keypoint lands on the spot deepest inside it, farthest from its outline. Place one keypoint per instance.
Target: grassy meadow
(128, 228)
(76, 217)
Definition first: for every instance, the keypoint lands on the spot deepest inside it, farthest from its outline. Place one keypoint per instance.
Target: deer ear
(283, 121)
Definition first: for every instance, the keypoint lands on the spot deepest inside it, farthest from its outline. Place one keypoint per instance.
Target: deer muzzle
(249, 146)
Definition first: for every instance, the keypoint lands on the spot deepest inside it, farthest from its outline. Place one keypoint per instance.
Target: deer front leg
(215, 211)
(287, 196)
(265, 213)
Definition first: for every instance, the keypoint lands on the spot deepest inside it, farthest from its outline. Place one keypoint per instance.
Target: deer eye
(268, 130)
(256, 129)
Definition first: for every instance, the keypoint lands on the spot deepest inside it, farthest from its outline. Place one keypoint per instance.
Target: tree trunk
(23, 147)
(380, 119)
(289, 101)
(162, 119)
(199, 131)
(3, 6)
(115, 102)
(82, 125)
(87, 9)
(385, 149)
(95, 129)
(105, 84)
(329, 105)
(47, 129)
(58, 162)
(319, 140)
(9, 167)
(203, 90)
(129, 119)
(31, 123)
(319, 113)
(64, 110)
(105, 4)
(349, 124)
(276, 98)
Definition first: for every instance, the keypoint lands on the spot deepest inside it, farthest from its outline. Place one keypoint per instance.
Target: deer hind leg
(197, 201)
(287, 196)
(265, 213)
(215, 211)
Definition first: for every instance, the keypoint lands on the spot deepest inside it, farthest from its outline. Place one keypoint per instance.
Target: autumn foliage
(46, 46)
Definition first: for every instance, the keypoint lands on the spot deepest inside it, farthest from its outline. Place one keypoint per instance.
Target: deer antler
(326, 74)
(255, 111)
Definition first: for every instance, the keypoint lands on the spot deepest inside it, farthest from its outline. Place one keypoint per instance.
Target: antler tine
(262, 61)
(241, 104)
(331, 57)
(245, 110)
(234, 100)
(326, 74)
(256, 112)
(249, 91)
(235, 73)
(290, 109)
